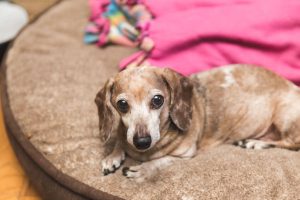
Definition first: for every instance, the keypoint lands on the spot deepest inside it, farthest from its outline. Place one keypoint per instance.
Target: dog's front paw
(253, 144)
(112, 162)
(138, 173)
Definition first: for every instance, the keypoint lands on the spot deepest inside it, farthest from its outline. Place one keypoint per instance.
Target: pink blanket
(197, 35)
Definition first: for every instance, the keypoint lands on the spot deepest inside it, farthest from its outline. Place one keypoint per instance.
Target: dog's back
(245, 102)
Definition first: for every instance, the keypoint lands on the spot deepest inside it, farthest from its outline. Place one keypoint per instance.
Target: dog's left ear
(109, 118)
(181, 90)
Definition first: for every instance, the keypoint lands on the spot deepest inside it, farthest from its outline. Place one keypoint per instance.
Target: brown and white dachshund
(158, 116)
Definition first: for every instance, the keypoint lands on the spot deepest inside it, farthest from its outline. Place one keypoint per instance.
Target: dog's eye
(123, 106)
(157, 101)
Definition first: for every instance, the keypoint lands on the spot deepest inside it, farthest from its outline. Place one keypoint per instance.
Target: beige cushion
(52, 80)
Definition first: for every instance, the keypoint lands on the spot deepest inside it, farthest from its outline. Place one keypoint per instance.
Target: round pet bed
(49, 82)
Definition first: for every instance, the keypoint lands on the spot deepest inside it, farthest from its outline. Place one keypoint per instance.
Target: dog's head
(145, 101)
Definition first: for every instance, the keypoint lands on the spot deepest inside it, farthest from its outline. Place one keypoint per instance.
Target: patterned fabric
(118, 22)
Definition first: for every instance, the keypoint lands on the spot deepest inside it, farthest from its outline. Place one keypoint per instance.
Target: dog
(158, 116)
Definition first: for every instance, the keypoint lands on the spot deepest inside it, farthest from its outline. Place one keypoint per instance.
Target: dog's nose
(142, 143)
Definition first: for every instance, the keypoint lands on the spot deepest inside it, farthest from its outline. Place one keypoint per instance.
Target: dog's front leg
(148, 169)
(113, 161)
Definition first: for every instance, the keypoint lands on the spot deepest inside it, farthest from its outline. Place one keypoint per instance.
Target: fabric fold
(191, 36)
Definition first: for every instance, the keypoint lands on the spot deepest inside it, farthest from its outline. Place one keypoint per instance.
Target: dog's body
(244, 105)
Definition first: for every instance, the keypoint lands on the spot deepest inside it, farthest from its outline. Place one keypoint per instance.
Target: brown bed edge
(48, 180)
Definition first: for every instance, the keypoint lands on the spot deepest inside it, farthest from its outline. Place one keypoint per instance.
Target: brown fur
(225, 105)
(108, 117)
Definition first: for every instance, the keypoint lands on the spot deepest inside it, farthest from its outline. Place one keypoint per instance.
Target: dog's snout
(142, 143)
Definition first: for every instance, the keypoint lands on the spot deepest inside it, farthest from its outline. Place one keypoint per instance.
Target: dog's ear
(109, 118)
(181, 92)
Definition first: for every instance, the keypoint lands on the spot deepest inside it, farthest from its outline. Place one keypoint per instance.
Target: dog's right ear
(109, 118)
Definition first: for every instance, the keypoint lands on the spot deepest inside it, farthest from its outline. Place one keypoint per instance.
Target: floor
(14, 184)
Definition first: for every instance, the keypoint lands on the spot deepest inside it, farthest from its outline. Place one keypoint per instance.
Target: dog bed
(49, 81)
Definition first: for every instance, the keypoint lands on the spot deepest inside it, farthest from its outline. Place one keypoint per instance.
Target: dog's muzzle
(142, 143)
